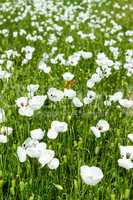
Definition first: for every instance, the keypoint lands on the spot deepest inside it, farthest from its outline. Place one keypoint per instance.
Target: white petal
(95, 131)
(21, 154)
(52, 134)
(54, 163)
(3, 138)
(37, 134)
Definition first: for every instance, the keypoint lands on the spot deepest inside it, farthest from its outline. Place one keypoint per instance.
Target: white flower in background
(2, 115)
(5, 74)
(101, 126)
(9, 64)
(21, 154)
(46, 157)
(69, 39)
(126, 157)
(76, 102)
(44, 68)
(32, 88)
(3, 138)
(125, 163)
(95, 131)
(22, 102)
(91, 95)
(91, 175)
(126, 151)
(56, 128)
(55, 94)
(53, 164)
(52, 134)
(116, 97)
(70, 93)
(36, 102)
(126, 103)
(37, 134)
(59, 126)
(68, 76)
(86, 55)
(6, 130)
(26, 111)
(28, 106)
(130, 136)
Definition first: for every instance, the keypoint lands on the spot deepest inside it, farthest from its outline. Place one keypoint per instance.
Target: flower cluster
(33, 148)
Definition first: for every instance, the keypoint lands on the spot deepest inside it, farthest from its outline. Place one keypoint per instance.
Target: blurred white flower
(2, 115)
(55, 94)
(36, 102)
(46, 157)
(53, 164)
(116, 96)
(32, 88)
(70, 93)
(37, 134)
(125, 163)
(68, 76)
(126, 103)
(101, 126)
(3, 138)
(76, 102)
(130, 136)
(26, 111)
(52, 134)
(44, 68)
(91, 175)
(91, 95)
(21, 154)
(95, 131)
(59, 126)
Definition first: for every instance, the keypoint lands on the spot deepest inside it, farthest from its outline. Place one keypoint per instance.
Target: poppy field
(66, 100)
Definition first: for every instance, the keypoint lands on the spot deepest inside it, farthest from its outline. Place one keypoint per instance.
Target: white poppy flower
(90, 97)
(33, 151)
(46, 157)
(59, 126)
(125, 163)
(91, 175)
(36, 102)
(52, 134)
(95, 131)
(86, 55)
(26, 111)
(6, 130)
(90, 83)
(3, 138)
(70, 93)
(130, 136)
(102, 125)
(76, 102)
(2, 115)
(37, 134)
(22, 102)
(21, 154)
(55, 94)
(126, 151)
(69, 39)
(116, 97)
(5, 74)
(32, 88)
(44, 68)
(68, 76)
(126, 103)
(53, 164)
